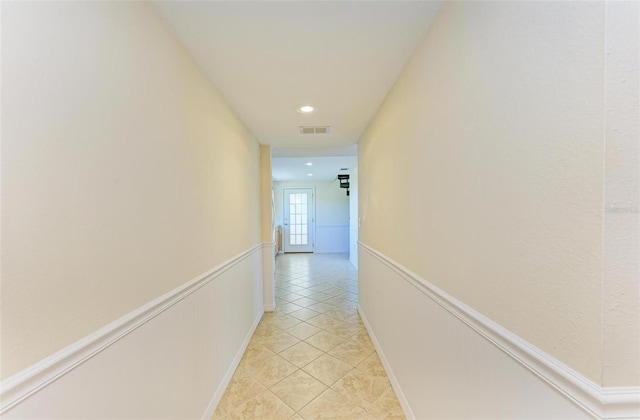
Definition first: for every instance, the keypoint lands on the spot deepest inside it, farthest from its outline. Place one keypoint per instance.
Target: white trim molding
(402, 399)
(596, 401)
(268, 275)
(215, 400)
(32, 380)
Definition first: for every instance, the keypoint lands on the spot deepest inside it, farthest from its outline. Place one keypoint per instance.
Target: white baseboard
(118, 361)
(593, 400)
(215, 400)
(268, 275)
(402, 399)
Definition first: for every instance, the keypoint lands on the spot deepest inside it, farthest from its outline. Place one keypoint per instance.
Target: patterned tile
(305, 292)
(271, 370)
(341, 313)
(298, 389)
(331, 405)
(313, 358)
(321, 307)
(290, 297)
(387, 406)
(263, 406)
(303, 330)
(304, 314)
(305, 302)
(363, 336)
(287, 308)
(360, 388)
(283, 321)
(254, 355)
(373, 367)
(301, 354)
(321, 296)
(327, 369)
(355, 319)
(277, 341)
(242, 388)
(324, 340)
(352, 352)
(323, 321)
(345, 329)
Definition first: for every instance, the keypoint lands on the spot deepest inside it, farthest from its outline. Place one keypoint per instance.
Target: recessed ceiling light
(309, 164)
(305, 109)
(309, 174)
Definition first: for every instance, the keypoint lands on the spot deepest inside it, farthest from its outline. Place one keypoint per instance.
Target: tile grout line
(340, 310)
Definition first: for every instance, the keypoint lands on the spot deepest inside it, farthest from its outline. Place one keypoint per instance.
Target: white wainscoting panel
(171, 358)
(446, 360)
(332, 239)
(353, 245)
(268, 274)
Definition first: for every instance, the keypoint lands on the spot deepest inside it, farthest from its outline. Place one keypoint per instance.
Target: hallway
(312, 357)
(157, 154)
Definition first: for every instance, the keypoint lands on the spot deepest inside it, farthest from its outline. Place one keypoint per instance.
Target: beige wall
(266, 190)
(483, 171)
(267, 231)
(124, 173)
(621, 289)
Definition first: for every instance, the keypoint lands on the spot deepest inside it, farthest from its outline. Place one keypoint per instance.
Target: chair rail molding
(597, 401)
(31, 380)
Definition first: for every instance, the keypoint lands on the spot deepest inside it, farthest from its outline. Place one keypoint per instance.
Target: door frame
(312, 226)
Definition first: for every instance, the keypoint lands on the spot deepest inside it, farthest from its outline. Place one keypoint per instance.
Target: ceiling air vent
(315, 130)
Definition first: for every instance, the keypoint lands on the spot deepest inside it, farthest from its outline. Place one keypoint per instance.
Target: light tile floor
(312, 358)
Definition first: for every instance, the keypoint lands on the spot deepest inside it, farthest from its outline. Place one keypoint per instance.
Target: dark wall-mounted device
(344, 182)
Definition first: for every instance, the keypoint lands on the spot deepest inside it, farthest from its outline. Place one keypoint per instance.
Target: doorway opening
(312, 211)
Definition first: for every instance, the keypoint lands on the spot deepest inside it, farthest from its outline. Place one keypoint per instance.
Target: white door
(298, 220)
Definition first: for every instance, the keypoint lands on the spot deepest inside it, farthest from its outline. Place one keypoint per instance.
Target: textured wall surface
(483, 170)
(621, 299)
(124, 172)
(266, 194)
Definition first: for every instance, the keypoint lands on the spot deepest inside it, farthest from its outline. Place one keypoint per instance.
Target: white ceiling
(269, 57)
(322, 169)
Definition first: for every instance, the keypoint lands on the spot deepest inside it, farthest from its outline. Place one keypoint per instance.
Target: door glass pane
(298, 219)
